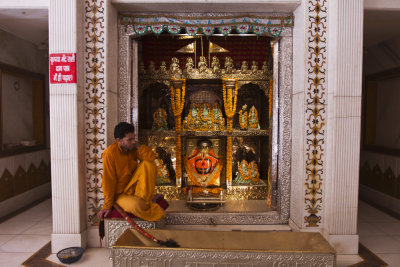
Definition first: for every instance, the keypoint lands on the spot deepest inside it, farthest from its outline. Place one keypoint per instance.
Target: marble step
(115, 227)
(223, 249)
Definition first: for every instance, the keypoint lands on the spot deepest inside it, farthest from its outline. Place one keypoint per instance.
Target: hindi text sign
(62, 68)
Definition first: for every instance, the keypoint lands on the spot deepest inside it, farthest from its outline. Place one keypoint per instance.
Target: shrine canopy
(208, 25)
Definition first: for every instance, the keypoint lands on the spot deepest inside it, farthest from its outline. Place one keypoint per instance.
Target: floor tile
(392, 260)
(25, 243)
(15, 227)
(367, 228)
(347, 260)
(40, 228)
(389, 228)
(5, 238)
(381, 244)
(98, 257)
(35, 215)
(13, 259)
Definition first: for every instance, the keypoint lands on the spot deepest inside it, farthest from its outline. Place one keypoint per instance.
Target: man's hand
(103, 213)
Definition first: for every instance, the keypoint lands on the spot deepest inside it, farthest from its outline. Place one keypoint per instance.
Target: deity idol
(203, 166)
(160, 119)
(253, 118)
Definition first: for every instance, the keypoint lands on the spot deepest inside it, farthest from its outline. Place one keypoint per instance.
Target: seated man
(124, 182)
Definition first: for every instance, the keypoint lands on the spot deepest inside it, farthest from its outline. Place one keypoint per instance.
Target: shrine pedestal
(208, 248)
(114, 228)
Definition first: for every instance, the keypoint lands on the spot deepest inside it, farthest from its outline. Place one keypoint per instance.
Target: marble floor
(22, 235)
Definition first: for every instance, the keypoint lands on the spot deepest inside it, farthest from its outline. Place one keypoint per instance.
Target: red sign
(62, 68)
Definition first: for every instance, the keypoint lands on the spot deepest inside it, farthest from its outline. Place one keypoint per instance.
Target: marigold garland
(177, 102)
(192, 177)
(198, 190)
(249, 174)
(230, 99)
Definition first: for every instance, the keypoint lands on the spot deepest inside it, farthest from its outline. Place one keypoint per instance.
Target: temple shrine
(252, 108)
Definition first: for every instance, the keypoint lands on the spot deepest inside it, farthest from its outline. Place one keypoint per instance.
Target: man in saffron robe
(125, 182)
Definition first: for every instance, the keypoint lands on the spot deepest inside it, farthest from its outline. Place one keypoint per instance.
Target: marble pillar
(66, 126)
(345, 47)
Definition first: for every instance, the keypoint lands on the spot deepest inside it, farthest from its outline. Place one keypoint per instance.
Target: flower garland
(194, 178)
(230, 99)
(249, 167)
(198, 190)
(201, 112)
(243, 116)
(177, 102)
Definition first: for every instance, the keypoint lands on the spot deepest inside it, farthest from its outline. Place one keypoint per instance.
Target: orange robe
(128, 184)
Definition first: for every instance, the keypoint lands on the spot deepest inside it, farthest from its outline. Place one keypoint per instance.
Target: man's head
(124, 133)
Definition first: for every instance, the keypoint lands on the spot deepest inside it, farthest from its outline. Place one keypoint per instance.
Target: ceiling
(28, 24)
(32, 25)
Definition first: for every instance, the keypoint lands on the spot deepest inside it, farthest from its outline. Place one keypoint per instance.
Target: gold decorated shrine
(208, 119)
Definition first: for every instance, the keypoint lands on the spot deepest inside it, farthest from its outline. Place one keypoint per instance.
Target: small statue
(253, 118)
(174, 68)
(248, 173)
(141, 68)
(228, 65)
(163, 67)
(264, 68)
(215, 65)
(243, 118)
(244, 68)
(152, 67)
(165, 169)
(205, 117)
(191, 121)
(254, 67)
(246, 168)
(189, 65)
(160, 119)
(202, 64)
(218, 119)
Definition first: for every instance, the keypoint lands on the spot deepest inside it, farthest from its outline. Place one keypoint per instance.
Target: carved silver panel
(124, 257)
(114, 228)
(282, 123)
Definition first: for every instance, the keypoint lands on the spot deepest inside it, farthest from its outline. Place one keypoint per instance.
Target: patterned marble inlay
(95, 119)
(315, 109)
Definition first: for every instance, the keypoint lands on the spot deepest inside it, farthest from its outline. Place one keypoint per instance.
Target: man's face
(128, 142)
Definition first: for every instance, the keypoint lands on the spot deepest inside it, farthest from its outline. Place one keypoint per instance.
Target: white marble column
(66, 121)
(345, 46)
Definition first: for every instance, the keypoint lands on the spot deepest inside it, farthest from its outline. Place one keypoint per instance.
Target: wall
(380, 167)
(25, 177)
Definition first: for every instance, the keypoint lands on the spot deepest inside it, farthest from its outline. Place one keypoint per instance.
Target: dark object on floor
(70, 255)
(169, 243)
